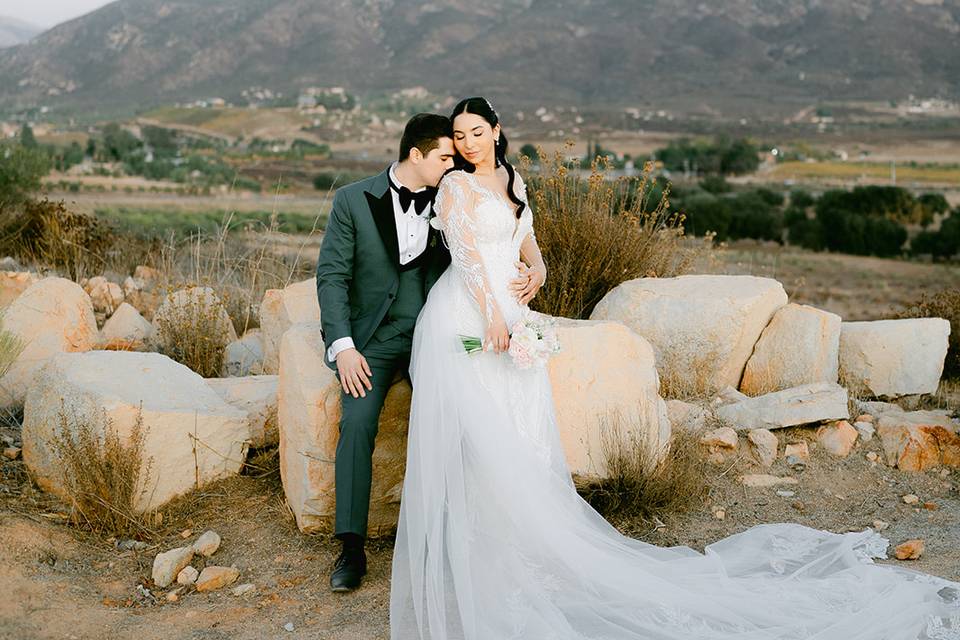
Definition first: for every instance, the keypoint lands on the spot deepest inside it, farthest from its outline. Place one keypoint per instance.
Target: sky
(47, 13)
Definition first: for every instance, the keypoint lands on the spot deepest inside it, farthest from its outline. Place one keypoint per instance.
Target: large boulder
(126, 330)
(13, 283)
(53, 316)
(309, 417)
(799, 346)
(606, 394)
(192, 436)
(702, 327)
(805, 404)
(893, 357)
(279, 310)
(257, 397)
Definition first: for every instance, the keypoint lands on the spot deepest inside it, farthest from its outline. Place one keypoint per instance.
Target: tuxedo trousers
(359, 421)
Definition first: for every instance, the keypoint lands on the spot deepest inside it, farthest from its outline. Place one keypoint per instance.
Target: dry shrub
(80, 245)
(642, 484)
(943, 304)
(102, 472)
(47, 233)
(595, 233)
(193, 333)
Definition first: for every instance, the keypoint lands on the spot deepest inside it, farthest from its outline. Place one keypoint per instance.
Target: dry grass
(102, 472)
(688, 373)
(596, 233)
(11, 346)
(642, 481)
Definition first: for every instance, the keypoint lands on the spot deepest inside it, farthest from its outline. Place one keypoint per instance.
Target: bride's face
(474, 139)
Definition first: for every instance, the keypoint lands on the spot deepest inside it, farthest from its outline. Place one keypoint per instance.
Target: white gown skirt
(494, 542)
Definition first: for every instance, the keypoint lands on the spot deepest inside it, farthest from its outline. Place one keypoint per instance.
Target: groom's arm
(334, 274)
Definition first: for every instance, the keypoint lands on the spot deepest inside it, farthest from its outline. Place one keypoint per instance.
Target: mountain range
(132, 54)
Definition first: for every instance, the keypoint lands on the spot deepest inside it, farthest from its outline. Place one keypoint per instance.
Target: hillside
(137, 53)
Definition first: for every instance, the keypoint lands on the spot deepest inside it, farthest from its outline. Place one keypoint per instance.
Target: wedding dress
(494, 542)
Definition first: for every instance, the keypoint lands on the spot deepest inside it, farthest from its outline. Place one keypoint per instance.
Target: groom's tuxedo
(359, 272)
(370, 296)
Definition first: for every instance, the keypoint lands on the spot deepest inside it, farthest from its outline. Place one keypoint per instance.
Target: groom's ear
(416, 155)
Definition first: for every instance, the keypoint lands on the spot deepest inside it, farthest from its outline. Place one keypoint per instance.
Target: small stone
(720, 514)
(880, 525)
(873, 457)
(796, 463)
(11, 453)
(865, 429)
(213, 578)
(798, 449)
(244, 589)
(783, 493)
(944, 473)
(837, 438)
(288, 626)
(930, 506)
(174, 595)
(187, 576)
(207, 544)
(910, 499)
(186, 533)
(763, 445)
(167, 565)
(719, 442)
(865, 417)
(766, 480)
(909, 550)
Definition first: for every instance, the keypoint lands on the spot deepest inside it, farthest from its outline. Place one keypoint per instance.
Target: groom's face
(432, 166)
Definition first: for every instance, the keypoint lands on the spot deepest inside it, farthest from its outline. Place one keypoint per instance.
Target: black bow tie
(421, 199)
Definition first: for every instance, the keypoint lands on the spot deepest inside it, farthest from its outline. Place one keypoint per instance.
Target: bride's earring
(496, 152)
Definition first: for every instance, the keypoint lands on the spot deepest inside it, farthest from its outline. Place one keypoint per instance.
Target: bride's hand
(497, 337)
(528, 284)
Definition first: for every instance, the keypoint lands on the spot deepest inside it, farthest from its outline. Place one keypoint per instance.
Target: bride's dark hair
(482, 107)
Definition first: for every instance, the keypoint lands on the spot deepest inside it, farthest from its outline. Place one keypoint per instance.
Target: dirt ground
(57, 581)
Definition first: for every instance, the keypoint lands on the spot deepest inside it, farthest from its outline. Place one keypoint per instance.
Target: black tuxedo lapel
(382, 210)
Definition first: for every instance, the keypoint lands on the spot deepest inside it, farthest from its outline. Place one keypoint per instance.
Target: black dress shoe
(349, 569)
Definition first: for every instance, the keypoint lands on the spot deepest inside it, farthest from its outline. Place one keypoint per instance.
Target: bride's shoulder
(456, 176)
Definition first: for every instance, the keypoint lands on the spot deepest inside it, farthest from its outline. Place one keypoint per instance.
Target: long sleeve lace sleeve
(454, 205)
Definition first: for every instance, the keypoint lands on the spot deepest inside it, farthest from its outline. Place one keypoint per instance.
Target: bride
(494, 542)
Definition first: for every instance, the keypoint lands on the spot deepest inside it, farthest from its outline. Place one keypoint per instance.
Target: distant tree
(21, 173)
(118, 143)
(27, 139)
(933, 204)
(801, 198)
(715, 184)
(529, 151)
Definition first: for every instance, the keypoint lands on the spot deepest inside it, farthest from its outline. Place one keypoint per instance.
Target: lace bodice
(484, 236)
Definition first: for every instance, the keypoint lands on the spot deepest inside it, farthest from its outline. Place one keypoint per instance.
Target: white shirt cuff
(340, 344)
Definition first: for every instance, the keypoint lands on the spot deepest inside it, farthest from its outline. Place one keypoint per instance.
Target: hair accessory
(495, 114)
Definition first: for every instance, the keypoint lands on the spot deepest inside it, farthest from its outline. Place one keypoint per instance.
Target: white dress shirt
(413, 230)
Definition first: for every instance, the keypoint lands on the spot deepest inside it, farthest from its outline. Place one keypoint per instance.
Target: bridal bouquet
(531, 343)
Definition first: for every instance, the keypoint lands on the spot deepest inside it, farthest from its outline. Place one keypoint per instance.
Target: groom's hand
(354, 373)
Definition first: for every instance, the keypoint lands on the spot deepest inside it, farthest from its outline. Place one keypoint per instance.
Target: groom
(378, 260)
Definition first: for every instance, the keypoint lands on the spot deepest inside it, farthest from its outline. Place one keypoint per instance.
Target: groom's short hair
(424, 131)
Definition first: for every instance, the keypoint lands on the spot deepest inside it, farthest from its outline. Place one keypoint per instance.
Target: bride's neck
(485, 168)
